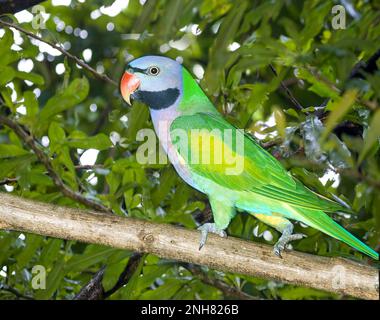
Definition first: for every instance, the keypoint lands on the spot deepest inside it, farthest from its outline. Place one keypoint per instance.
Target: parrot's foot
(209, 227)
(285, 238)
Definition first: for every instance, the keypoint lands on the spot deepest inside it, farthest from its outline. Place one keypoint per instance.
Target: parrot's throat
(158, 100)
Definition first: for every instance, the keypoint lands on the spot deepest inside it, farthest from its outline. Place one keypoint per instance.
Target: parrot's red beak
(128, 84)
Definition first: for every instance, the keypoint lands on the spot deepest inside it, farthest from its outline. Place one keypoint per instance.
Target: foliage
(233, 43)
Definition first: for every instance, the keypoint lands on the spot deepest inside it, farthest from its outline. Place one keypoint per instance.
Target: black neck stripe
(158, 99)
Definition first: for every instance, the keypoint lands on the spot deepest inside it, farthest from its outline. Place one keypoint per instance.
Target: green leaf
(78, 139)
(54, 279)
(30, 76)
(7, 55)
(259, 95)
(167, 180)
(6, 41)
(167, 21)
(112, 274)
(92, 255)
(163, 292)
(296, 293)
(338, 108)
(129, 290)
(75, 93)
(319, 87)
(11, 166)
(31, 103)
(280, 122)
(372, 137)
(5, 245)
(113, 180)
(11, 150)
(6, 94)
(138, 116)
(56, 136)
(32, 243)
(50, 252)
(150, 273)
(6, 75)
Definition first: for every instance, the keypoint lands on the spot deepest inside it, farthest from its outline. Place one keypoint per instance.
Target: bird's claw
(282, 243)
(205, 229)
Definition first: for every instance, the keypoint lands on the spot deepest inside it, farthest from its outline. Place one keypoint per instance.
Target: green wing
(262, 173)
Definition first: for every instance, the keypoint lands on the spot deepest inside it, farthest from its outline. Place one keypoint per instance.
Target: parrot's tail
(321, 221)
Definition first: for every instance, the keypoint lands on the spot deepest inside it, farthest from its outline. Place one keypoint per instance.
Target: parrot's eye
(153, 71)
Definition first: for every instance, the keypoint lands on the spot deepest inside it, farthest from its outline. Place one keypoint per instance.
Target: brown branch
(18, 294)
(80, 62)
(93, 290)
(8, 180)
(227, 290)
(331, 274)
(44, 159)
(89, 166)
(270, 144)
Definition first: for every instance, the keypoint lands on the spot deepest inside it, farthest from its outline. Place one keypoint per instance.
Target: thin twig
(80, 62)
(288, 92)
(29, 140)
(89, 166)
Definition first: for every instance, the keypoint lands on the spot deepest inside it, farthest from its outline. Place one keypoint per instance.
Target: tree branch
(80, 62)
(231, 255)
(44, 159)
(18, 294)
(7, 181)
(89, 166)
(93, 290)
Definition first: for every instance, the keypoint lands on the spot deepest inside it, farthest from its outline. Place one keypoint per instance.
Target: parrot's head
(153, 80)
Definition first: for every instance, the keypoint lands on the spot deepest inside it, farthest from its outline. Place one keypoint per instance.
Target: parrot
(259, 186)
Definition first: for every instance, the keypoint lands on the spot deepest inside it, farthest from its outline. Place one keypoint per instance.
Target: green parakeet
(232, 169)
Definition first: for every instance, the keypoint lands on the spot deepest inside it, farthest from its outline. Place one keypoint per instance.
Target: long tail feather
(321, 221)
